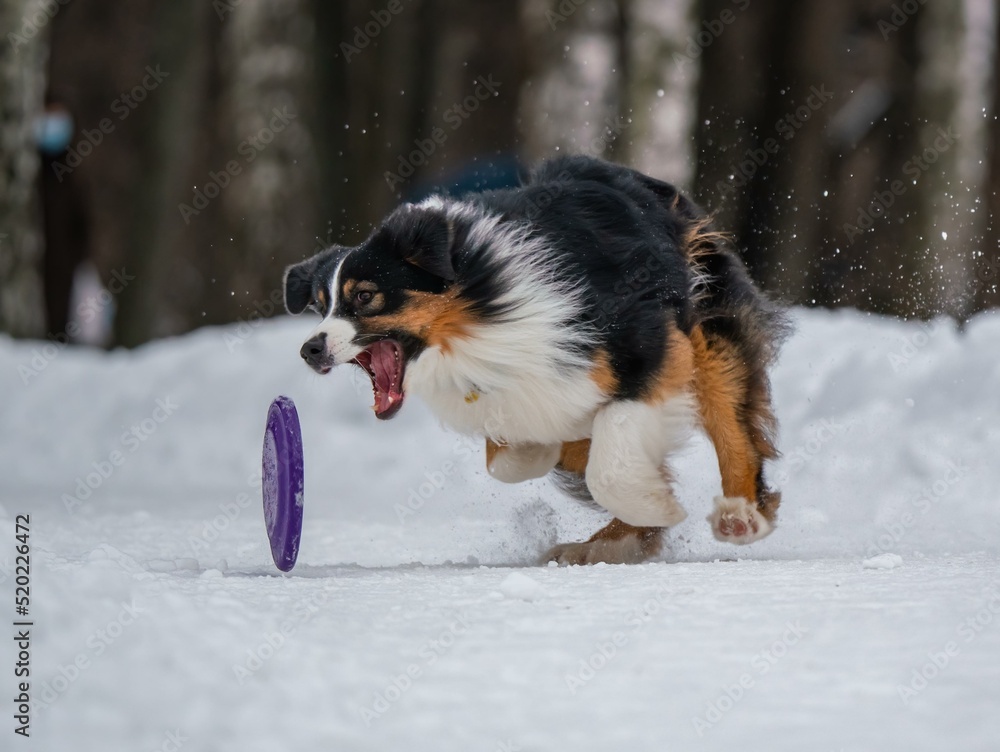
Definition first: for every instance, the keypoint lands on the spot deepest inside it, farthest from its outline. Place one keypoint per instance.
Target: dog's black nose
(314, 350)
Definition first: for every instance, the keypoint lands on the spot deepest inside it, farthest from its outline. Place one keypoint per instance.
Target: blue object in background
(53, 132)
(481, 174)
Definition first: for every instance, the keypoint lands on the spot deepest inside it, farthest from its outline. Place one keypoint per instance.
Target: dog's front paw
(628, 550)
(736, 520)
(516, 463)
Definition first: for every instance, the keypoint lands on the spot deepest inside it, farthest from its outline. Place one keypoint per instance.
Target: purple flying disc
(283, 482)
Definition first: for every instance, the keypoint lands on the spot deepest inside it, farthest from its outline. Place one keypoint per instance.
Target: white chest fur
(521, 400)
(518, 377)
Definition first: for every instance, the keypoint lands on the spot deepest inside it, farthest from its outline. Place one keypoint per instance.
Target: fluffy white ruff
(521, 462)
(736, 520)
(625, 471)
(519, 379)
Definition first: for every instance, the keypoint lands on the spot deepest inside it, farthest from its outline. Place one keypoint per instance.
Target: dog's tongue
(386, 366)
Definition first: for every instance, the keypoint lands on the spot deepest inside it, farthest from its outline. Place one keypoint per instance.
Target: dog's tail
(742, 327)
(738, 324)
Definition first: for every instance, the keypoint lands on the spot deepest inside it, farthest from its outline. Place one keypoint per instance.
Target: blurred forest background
(161, 161)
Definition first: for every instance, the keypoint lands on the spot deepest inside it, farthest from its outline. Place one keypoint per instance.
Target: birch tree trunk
(22, 83)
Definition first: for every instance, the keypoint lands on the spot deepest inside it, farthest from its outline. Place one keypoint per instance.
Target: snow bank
(868, 620)
(889, 433)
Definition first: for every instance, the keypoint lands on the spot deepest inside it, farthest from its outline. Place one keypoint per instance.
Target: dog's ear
(427, 244)
(298, 286)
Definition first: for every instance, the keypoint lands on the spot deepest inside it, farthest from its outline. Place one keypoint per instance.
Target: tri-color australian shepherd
(582, 324)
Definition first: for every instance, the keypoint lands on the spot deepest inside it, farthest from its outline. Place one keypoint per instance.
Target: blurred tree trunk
(578, 95)
(272, 205)
(662, 81)
(366, 90)
(807, 115)
(170, 130)
(201, 185)
(330, 82)
(387, 82)
(22, 83)
(734, 76)
(475, 52)
(987, 263)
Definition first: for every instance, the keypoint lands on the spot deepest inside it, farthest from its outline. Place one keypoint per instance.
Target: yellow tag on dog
(471, 396)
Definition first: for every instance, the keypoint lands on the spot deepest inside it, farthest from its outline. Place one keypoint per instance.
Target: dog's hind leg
(626, 473)
(734, 403)
(615, 543)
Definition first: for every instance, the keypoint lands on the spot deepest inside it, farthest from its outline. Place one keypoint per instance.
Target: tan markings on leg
(602, 373)
(746, 510)
(616, 543)
(676, 372)
(574, 455)
(435, 318)
(492, 449)
(720, 387)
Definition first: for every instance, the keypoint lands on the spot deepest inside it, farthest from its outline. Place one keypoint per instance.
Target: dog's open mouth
(385, 363)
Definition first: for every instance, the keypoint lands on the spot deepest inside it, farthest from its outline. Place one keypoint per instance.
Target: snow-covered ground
(416, 618)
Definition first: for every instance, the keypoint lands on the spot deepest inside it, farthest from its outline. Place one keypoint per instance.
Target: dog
(582, 323)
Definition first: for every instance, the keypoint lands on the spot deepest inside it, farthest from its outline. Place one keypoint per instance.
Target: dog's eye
(364, 297)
